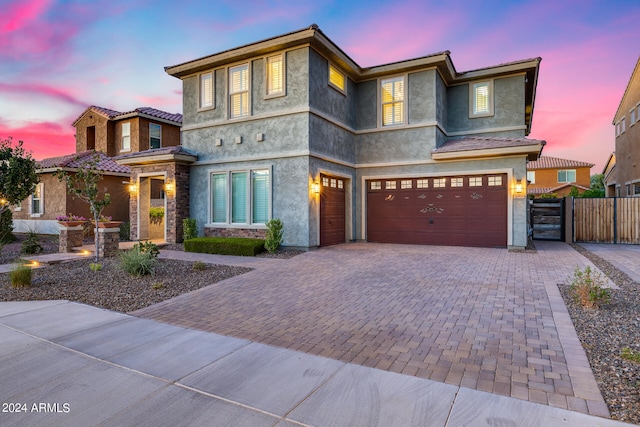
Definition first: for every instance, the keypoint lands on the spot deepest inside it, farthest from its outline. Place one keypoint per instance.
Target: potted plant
(70, 220)
(107, 222)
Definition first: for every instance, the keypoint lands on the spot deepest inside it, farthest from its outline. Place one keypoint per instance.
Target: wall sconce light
(133, 189)
(315, 187)
(3, 202)
(170, 188)
(519, 187)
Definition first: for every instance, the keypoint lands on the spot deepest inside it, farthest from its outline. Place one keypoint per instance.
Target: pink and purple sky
(59, 56)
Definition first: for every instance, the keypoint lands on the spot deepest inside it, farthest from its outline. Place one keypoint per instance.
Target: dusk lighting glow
(59, 56)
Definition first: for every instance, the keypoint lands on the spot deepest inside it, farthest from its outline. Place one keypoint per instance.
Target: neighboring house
(627, 131)
(609, 172)
(115, 133)
(407, 152)
(51, 199)
(551, 175)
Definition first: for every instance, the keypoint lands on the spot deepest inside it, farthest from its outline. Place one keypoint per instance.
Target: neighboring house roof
(174, 153)
(315, 38)
(546, 162)
(77, 160)
(610, 165)
(545, 190)
(477, 146)
(148, 112)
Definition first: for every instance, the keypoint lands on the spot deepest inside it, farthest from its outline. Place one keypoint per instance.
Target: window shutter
(275, 74)
(481, 98)
(239, 197)
(260, 186)
(206, 90)
(219, 197)
(392, 101)
(239, 91)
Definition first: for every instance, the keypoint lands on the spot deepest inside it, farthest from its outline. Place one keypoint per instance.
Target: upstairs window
(239, 91)
(621, 126)
(155, 135)
(531, 177)
(568, 175)
(337, 78)
(481, 99)
(206, 90)
(126, 136)
(392, 94)
(275, 75)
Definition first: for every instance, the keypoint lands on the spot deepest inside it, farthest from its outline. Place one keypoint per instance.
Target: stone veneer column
(70, 237)
(108, 242)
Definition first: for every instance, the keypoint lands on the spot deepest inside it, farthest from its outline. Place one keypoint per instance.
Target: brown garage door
(461, 211)
(332, 210)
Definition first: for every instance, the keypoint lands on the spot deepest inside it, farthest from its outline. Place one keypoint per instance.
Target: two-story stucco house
(408, 152)
(626, 175)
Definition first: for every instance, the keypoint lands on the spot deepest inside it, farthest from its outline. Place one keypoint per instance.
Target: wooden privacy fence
(607, 220)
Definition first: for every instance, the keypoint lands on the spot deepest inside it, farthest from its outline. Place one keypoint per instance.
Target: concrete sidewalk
(68, 364)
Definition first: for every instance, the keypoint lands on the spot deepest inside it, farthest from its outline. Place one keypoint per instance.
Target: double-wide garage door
(463, 211)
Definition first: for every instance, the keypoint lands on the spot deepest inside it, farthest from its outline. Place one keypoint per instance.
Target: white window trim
(122, 149)
(228, 223)
(472, 99)
(632, 116)
(249, 89)
(151, 124)
(213, 91)
(405, 120)
(533, 175)
(283, 92)
(339, 71)
(37, 214)
(575, 171)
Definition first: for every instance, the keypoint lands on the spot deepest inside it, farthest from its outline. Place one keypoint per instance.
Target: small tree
(18, 176)
(84, 184)
(274, 234)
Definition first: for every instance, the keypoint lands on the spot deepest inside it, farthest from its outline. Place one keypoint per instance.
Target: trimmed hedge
(225, 245)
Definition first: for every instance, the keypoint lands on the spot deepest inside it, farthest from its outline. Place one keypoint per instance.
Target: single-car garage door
(332, 210)
(458, 210)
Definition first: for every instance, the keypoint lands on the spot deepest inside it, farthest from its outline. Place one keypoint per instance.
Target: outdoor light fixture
(519, 187)
(133, 189)
(170, 188)
(315, 187)
(3, 202)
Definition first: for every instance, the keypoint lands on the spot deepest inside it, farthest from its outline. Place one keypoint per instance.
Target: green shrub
(587, 288)
(225, 245)
(274, 234)
(148, 247)
(20, 276)
(6, 227)
(125, 231)
(199, 265)
(31, 245)
(94, 266)
(189, 228)
(140, 260)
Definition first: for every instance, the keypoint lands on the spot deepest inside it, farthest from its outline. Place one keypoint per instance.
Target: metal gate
(547, 219)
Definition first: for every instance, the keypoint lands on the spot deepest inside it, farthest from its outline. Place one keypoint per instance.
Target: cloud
(21, 13)
(55, 93)
(42, 139)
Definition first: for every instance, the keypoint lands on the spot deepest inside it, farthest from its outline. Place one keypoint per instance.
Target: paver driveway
(487, 319)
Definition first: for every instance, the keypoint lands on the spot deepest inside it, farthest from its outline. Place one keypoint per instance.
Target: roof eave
(531, 151)
(145, 160)
(146, 116)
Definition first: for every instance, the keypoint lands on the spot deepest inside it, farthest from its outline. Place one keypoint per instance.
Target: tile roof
(149, 111)
(153, 112)
(546, 162)
(77, 160)
(469, 143)
(175, 149)
(544, 190)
